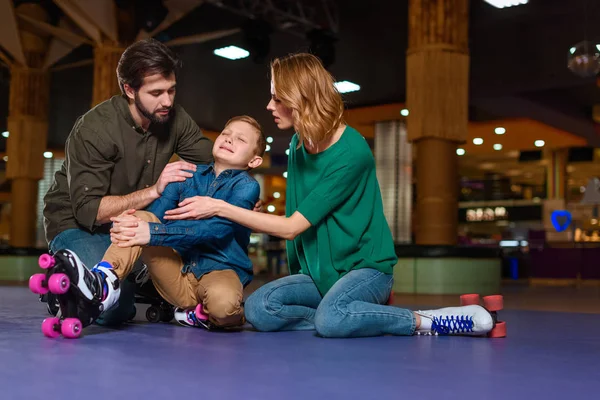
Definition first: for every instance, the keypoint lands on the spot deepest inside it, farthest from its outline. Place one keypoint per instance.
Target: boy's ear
(255, 162)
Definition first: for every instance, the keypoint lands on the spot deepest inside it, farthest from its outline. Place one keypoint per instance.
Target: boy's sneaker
(194, 317)
(472, 320)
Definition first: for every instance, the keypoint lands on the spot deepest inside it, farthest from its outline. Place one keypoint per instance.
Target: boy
(190, 262)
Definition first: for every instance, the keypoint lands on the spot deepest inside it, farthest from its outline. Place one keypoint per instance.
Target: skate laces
(452, 324)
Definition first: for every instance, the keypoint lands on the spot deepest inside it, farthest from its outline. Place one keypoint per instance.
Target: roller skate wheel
(200, 313)
(469, 299)
(46, 261)
(51, 327)
(59, 283)
(493, 303)
(153, 314)
(499, 331)
(36, 284)
(71, 328)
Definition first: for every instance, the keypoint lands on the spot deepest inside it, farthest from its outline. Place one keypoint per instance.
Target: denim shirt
(208, 244)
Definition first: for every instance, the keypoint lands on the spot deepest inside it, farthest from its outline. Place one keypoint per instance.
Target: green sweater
(338, 193)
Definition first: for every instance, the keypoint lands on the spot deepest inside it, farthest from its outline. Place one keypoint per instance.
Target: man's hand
(177, 171)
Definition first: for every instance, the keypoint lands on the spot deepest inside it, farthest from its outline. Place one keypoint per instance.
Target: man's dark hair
(143, 58)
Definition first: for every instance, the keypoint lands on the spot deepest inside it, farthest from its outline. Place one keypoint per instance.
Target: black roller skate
(82, 295)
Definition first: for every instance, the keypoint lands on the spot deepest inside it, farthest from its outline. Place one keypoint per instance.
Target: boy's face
(236, 146)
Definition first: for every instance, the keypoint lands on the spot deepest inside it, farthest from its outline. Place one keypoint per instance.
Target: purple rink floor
(546, 356)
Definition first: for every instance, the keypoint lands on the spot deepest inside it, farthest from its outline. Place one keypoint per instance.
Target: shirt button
(148, 161)
(193, 264)
(85, 188)
(147, 185)
(156, 228)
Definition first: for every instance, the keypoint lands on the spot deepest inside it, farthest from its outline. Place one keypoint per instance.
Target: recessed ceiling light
(48, 154)
(500, 130)
(404, 112)
(506, 3)
(478, 141)
(346, 87)
(232, 52)
(497, 146)
(460, 152)
(539, 143)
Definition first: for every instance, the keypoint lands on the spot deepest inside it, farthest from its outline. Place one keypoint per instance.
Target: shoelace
(452, 324)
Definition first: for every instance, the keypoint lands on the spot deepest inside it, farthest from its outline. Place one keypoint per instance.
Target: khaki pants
(220, 292)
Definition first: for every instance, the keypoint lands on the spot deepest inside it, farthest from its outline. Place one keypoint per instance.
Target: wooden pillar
(556, 176)
(28, 128)
(106, 85)
(437, 79)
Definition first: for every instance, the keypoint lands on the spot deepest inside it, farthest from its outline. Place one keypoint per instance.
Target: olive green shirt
(108, 154)
(337, 191)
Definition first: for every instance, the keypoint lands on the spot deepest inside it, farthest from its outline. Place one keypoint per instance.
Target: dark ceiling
(518, 66)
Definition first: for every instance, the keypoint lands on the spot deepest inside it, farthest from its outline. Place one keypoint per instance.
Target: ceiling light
(497, 146)
(460, 152)
(500, 130)
(404, 112)
(539, 143)
(287, 152)
(268, 148)
(277, 195)
(478, 141)
(285, 174)
(346, 87)
(506, 3)
(48, 154)
(231, 52)
(271, 208)
(5, 134)
(269, 139)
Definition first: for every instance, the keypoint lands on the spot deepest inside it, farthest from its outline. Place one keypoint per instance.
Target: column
(393, 156)
(437, 82)
(28, 128)
(106, 84)
(556, 173)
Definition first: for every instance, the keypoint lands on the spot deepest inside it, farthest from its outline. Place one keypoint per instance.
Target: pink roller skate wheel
(71, 328)
(46, 261)
(59, 283)
(51, 327)
(200, 313)
(36, 284)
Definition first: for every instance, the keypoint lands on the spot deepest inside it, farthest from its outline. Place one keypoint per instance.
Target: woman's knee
(330, 320)
(256, 312)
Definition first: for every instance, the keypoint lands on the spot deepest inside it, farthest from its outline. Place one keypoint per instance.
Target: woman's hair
(304, 85)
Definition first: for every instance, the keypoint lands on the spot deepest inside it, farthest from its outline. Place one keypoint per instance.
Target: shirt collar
(228, 173)
(122, 104)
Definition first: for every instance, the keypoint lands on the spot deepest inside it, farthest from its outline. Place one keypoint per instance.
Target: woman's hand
(197, 207)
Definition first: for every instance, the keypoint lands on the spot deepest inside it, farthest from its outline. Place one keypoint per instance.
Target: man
(116, 158)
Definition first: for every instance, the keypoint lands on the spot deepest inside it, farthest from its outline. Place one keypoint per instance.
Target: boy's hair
(261, 142)
(143, 58)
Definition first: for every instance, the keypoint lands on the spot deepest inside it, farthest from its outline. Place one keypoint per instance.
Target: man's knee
(146, 216)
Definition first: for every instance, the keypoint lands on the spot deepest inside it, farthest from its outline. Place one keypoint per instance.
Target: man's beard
(152, 117)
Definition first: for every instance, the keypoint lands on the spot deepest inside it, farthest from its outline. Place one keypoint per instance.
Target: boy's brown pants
(220, 292)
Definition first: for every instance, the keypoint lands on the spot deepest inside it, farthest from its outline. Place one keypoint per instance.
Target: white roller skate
(472, 320)
(83, 295)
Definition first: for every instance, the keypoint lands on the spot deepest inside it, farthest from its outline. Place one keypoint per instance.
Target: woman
(340, 248)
